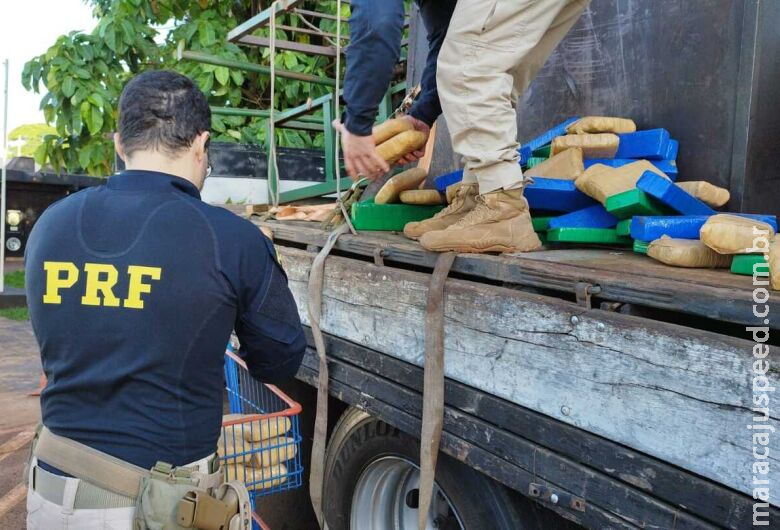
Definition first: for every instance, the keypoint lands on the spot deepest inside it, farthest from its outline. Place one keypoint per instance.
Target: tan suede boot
(463, 200)
(500, 222)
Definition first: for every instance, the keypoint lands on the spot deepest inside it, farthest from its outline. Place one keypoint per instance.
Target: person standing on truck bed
(134, 288)
(491, 52)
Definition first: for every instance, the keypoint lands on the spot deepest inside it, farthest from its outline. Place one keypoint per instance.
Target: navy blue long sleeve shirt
(134, 288)
(376, 27)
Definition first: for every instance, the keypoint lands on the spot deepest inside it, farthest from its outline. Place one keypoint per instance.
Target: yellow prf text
(99, 282)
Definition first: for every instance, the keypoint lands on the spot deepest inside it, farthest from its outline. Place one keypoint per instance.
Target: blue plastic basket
(261, 440)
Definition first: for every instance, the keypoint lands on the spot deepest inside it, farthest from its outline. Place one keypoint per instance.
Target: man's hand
(415, 155)
(360, 156)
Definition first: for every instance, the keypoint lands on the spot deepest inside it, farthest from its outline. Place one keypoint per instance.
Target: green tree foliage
(82, 74)
(32, 134)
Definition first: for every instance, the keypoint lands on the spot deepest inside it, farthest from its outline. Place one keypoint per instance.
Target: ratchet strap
(316, 280)
(433, 385)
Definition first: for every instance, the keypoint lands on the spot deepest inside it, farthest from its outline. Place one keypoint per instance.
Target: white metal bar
(2, 178)
(260, 19)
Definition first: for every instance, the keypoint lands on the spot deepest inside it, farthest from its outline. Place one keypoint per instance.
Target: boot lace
(481, 213)
(457, 204)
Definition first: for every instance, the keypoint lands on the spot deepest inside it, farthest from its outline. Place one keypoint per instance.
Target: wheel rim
(386, 496)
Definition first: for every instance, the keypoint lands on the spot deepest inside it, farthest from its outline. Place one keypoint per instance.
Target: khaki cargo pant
(492, 51)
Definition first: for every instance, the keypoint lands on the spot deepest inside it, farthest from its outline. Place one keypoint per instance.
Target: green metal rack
(303, 116)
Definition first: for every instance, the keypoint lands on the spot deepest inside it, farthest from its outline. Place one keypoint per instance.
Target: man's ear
(200, 144)
(118, 147)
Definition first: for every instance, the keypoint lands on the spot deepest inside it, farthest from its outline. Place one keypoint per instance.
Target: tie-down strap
(433, 384)
(316, 281)
(433, 387)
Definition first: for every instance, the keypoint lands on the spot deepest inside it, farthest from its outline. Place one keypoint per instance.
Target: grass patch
(15, 313)
(15, 279)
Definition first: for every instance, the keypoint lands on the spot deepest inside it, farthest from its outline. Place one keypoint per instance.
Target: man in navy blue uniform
(134, 288)
(376, 28)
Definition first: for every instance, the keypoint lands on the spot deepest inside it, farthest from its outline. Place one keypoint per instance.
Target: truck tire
(371, 460)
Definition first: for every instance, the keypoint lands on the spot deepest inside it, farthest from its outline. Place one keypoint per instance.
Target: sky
(27, 29)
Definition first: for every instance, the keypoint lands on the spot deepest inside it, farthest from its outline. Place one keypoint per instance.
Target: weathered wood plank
(476, 457)
(676, 393)
(548, 467)
(622, 276)
(699, 496)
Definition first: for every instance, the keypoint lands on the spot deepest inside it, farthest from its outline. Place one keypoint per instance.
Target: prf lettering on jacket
(100, 279)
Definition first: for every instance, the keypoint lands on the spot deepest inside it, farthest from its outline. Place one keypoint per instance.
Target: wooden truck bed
(635, 402)
(622, 275)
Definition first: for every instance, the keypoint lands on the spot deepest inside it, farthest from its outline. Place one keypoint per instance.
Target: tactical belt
(193, 499)
(88, 464)
(54, 489)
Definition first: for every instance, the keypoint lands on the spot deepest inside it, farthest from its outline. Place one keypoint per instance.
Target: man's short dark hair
(161, 110)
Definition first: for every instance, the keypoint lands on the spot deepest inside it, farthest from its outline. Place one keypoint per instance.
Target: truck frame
(608, 388)
(592, 385)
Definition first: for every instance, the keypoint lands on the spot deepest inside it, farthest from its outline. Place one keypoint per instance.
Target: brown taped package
(732, 234)
(601, 124)
(317, 212)
(567, 165)
(686, 253)
(774, 264)
(405, 180)
(401, 145)
(389, 128)
(708, 193)
(266, 477)
(258, 454)
(422, 197)
(603, 145)
(601, 182)
(254, 431)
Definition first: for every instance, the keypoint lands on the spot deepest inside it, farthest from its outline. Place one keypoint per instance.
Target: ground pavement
(20, 368)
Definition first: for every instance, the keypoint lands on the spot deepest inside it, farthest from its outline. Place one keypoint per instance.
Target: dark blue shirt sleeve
(376, 27)
(436, 15)
(267, 323)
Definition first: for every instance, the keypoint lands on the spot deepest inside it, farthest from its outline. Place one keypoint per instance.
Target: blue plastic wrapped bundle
(527, 148)
(651, 144)
(442, 182)
(650, 228)
(672, 195)
(591, 217)
(556, 195)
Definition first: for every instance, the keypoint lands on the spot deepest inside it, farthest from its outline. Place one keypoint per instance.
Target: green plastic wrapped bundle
(634, 202)
(745, 264)
(598, 236)
(535, 161)
(640, 247)
(390, 217)
(623, 228)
